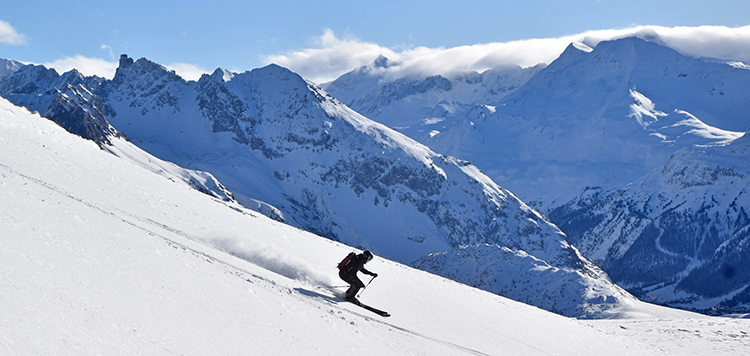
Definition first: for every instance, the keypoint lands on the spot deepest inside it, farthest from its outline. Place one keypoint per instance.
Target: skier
(348, 269)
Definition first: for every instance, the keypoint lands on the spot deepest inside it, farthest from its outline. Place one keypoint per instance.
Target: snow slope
(102, 256)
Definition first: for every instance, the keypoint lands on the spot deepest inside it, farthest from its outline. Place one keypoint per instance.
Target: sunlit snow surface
(101, 256)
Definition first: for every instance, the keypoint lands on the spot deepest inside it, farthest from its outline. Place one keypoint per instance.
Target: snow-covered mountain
(592, 121)
(68, 101)
(8, 67)
(678, 235)
(422, 107)
(520, 276)
(599, 119)
(594, 117)
(64, 99)
(328, 168)
(270, 136)
(577, 133)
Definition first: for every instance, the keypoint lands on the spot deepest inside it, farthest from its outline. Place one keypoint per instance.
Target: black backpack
(346, 260)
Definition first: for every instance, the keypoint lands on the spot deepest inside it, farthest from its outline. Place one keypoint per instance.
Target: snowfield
(99, 255)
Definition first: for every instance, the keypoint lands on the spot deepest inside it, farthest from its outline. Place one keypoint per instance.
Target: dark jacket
(357, 263)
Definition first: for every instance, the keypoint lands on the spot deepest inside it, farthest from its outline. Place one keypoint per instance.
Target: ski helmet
(368, 254)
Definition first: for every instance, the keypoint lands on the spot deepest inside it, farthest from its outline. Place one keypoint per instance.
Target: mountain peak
(274, 75)
(619, 48)
(221, 74)
(8, 67)
(381, 62)
(125, 61)
(140, 64)
(571, 54)
(275, 70)
(141, 69)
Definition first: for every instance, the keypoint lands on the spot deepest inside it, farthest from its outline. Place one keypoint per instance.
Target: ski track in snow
(334, 301)
(200, 252)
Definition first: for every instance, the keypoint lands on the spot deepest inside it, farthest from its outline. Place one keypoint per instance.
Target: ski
(374, 310)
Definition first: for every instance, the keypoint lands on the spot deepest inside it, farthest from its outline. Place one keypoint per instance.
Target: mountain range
(584, 141)
(570, 138)
(277, 141)
(614, 112)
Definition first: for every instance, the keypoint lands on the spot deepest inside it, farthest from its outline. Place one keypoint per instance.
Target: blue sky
(323, 39)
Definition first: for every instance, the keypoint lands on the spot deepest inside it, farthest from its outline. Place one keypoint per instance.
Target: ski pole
(368, 283)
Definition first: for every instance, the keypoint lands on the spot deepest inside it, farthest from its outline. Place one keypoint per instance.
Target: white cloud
(9, 35)
(86, 65)
(188, 71)
(331, 56)
(704, 41)
(108, 48)
(104, 68)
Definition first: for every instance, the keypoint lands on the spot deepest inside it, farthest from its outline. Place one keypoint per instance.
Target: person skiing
(348, 269)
